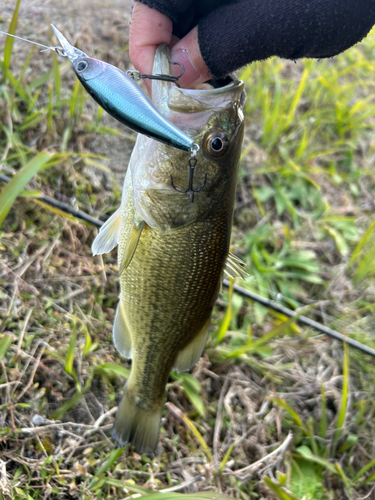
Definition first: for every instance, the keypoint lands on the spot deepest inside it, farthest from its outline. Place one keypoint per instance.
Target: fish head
(213, 118)
(85, 67)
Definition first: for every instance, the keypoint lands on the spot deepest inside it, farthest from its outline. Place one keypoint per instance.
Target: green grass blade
(204, 495)
(226, 458)
(110, 368)
(69, 359)
(27, 62)
(306, 453)
(297, 419)
(349, 442)
(190, 424)
(136, 488)
(192, 388)
(88, 344)
(297, 98)
(60, 412)
(253, 346)
(282, 494)
(176, 412)
(343, 476)
(369, 479)
(50, 115)
(365, 469)
(18, 182)
(161, 496)
(56, 76)
(224, 325)
(8, 47)
(365, 238)
(41, 80)
(323, 418)
(17, 86)
(4, 345)
(76, 100)
(344, 399)
(113, 456)
(207, 495)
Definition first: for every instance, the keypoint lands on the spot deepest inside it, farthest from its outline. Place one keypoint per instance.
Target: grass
(271, 410)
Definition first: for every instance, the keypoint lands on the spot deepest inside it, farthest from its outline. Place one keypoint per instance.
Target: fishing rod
(64, 207)
(270, 304)
(303, 320)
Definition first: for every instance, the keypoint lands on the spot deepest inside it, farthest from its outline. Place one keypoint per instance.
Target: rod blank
(303, 320)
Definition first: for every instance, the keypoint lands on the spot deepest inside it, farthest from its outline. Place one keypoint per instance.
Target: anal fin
(121, 335)
(132, 244)
(188, 356)
(235, 267)
(108, 235)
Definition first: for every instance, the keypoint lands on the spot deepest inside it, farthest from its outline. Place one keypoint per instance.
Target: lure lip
(68, 49)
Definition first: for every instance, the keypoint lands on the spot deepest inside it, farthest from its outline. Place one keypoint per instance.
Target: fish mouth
(68, 50)
(167, 97)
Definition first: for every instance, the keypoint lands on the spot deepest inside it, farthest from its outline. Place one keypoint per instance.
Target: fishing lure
(118, 94)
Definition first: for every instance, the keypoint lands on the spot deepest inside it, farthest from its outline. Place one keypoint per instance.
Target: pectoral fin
(131, 246)
(121, 335)
(235, 267)
(192, 352)
(108, 236)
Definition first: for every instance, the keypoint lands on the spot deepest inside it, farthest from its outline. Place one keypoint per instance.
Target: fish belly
(168, 292)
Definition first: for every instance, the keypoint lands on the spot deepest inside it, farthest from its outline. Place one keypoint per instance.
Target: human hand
(148, 29)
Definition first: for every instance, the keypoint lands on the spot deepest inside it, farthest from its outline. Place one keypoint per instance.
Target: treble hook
(190, 188)
(136, 75)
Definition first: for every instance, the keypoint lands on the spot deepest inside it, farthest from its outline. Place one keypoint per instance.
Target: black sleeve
(171, 8)
(234, 33)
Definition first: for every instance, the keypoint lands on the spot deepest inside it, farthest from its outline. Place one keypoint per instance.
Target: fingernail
(190, 74)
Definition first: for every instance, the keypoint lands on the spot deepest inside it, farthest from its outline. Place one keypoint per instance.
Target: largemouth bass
(172, 253)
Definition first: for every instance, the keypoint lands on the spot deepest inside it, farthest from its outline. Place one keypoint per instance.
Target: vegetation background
(272, 410)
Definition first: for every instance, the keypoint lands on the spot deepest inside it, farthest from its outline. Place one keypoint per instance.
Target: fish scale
(174, 326)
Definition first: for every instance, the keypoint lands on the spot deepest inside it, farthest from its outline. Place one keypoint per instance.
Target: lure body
(122, 98)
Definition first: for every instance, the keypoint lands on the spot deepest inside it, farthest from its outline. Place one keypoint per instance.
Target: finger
(148, 29)
(187, 52)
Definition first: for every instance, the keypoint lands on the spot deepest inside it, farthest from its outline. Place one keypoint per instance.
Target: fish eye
(82, 65)
(217, 144)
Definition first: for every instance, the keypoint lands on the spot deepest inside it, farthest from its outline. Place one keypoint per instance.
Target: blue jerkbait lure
(122, 98)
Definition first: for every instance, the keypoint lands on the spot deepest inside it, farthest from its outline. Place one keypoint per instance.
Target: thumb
(187, 52)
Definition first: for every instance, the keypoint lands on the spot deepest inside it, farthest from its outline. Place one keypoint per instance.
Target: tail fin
(136, 425)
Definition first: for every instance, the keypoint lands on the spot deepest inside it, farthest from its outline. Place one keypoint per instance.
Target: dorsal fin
(235, 267)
